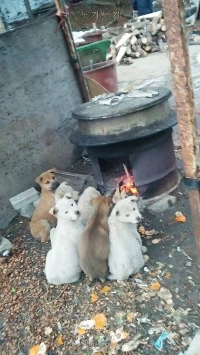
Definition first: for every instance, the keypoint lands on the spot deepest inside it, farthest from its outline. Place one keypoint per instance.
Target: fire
(127, 183)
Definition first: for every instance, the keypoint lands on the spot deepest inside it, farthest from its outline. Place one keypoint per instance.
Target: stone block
(5, 245)
(162, 204)
(27, 210)
(24, 198)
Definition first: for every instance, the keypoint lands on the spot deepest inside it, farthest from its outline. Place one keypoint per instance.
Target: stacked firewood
(147, 34)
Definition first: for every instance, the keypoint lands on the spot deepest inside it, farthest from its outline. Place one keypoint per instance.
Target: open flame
(127, 183)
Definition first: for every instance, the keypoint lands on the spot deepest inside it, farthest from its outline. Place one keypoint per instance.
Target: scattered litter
(38, 349)
(105, 289)
(156, 241)
(115, 100)
(150, 233)
(118, 335)
(165, 295)
(133, 344)
(48, 330)
(139, 93)
(100, 321)
(59, 340)
(156, 286)
(59, 326)
(142, 230)
(179, 217)
(94, 297)
(87, 324)
(184, 253)
(159, 342)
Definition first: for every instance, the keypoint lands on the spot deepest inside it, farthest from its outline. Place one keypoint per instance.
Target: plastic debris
(87, 324)
(118, 335)
(179, 217)
(133, 344)
(159, 342)
(48, 330)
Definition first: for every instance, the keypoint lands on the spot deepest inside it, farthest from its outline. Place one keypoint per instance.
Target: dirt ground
(33, 312)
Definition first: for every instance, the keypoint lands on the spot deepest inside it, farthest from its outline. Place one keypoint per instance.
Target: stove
(138, 132)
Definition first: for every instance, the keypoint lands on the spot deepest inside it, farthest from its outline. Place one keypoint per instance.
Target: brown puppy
(93, 245)
(42, 221)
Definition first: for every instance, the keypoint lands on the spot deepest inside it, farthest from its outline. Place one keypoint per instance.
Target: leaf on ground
(81, 331)
(100, 321)
(168, 275)
(156, 241)
(34, 350)
(118, 335)
(94, 297)
(59, 340)
(150, 233)
(179, 217)
(142, 230)
(38, 349)
(155, 286)
(105, 289)
(130, 317)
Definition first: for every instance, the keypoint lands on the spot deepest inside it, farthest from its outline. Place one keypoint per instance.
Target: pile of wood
(147, 34)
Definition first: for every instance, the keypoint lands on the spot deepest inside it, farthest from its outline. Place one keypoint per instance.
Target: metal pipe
(174, 14)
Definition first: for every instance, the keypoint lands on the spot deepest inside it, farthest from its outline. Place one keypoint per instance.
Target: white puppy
(126, 248)
(85, 203)
(64, 188)
(62, 261)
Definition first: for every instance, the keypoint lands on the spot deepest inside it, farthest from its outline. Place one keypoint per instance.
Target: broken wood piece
(133, 40)
(139, 25)
(150, 16)
(123, 39)
(120, 54)
(142, 52)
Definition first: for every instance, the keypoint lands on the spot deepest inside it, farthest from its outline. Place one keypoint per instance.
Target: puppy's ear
(134, 198)
(68, 195)
(53, 170)
(38, 180)
(53, 211)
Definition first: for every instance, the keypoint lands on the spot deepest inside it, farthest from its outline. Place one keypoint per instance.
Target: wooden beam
(174, 14)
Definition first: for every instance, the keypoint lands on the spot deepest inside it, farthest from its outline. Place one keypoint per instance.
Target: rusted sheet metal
(180, 66)
(179, 58)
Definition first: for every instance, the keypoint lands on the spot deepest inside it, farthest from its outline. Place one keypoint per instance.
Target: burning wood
(126, 186)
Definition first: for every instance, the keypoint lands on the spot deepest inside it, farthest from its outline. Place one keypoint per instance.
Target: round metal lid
(94, 111)
(85, 140)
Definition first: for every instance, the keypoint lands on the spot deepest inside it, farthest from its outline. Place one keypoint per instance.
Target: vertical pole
(174, 14)
(28, 9)
(66, 26)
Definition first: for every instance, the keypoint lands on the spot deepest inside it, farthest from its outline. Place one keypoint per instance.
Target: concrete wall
(38, 92)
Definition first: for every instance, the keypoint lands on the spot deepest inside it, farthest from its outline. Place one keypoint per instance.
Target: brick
(24, 198)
